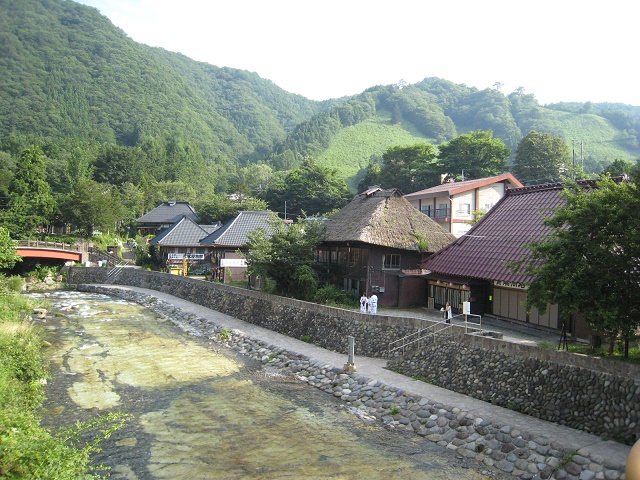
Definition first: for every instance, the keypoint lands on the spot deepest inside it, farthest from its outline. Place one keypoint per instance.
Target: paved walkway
(374, 369)
(511, 332)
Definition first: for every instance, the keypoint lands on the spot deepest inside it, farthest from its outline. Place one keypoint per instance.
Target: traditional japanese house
(376, 244)
(182, 242)
(163, 216)
(227, 243)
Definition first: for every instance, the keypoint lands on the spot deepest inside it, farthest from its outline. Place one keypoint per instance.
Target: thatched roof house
(375, 245)
(385, 218)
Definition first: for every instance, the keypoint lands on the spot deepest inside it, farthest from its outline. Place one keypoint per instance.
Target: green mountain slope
(351, 149)
(437, 110)
(68, 71)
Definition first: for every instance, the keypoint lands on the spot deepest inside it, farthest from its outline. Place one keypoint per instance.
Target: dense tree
(478, 154)
(285, 255)
(590, 262)
(30, 204)
(118, 165)
(409, 168)
(370, 177)
(309, 189)
(221, 208)
(541, 158)
(93, 206)
(8, 257)
(620, 167)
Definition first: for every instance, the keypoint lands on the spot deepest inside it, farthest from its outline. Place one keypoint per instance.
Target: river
(200, 411)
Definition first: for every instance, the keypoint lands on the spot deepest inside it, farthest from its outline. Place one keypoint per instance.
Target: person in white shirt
(364, 301)
(373, 304)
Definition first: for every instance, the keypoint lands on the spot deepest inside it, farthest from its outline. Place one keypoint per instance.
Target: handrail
(433, 330)
(466, 321)
(51, 245)
(415, 337)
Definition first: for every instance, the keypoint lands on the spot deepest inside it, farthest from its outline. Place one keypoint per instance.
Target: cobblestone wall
(596, 402)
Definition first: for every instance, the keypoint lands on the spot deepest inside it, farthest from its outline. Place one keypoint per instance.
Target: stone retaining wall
(598, 396)
(599, 403)
(504, 447)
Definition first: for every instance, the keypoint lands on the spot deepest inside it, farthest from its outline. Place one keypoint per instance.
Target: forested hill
(67, 71)
(70, 75)
(350, 135)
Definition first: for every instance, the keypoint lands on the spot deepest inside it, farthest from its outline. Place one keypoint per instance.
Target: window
(323, 256)
(427, 210)
(442, 211)
(391, 261)
(464, 208)
(354, 258)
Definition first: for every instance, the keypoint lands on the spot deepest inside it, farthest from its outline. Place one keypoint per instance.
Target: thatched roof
(385, 218)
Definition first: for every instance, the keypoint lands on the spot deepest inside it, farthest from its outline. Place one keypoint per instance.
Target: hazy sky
(560, 50)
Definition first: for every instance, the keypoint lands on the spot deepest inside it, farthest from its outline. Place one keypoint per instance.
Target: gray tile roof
(168, 213)
(234, 232)
(184, 233)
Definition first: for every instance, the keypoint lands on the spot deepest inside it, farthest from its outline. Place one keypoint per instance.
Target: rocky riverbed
(215, 404)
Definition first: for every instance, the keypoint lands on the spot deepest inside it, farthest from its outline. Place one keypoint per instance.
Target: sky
(560, 50)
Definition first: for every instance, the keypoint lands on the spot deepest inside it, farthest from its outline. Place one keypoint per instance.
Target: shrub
(15, 283)
(331, 295)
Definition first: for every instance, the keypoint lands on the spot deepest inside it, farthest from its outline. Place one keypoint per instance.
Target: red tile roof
(500, 237)
(451, 188)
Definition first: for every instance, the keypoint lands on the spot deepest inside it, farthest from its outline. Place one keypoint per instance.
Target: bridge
(78, 253)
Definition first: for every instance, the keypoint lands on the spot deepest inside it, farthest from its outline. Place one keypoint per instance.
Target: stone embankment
(504, 447)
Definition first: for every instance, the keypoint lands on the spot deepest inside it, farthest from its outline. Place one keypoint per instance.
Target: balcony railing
(436, 212)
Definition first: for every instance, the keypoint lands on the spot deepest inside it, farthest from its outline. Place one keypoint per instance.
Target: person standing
(448, 314)
(364, 301)
(373, 304)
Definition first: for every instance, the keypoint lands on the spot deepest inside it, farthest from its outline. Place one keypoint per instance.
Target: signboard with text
(233, 262)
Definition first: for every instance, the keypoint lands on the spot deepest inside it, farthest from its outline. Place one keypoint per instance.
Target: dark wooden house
(376, 244)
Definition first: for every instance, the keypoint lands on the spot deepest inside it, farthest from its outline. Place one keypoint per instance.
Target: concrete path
(613, 454)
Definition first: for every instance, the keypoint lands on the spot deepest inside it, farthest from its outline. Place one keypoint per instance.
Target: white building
(453, 204)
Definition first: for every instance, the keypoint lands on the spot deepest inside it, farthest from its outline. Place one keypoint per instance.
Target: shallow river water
(199, 411)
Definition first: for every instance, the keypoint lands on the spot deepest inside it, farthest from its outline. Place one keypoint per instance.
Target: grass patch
(225, 334)
(603, 352)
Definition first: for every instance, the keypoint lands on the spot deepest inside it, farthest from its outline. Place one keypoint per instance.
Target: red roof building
(452, 205)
